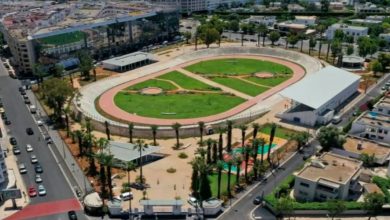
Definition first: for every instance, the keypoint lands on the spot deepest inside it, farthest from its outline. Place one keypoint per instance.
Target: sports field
(164, 85)
(239, 66)
(186, 82)
(240, 85)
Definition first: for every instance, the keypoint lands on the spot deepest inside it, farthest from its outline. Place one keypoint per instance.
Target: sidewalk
(14, 176)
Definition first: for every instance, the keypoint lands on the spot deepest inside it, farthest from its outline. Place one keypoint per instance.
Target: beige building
(331, 176)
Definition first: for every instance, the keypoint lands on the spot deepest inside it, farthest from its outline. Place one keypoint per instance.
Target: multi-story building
(368, 8)
(189, 6)
(354, 31)
(295, 8)
(331, 176)
(374, 124)
(53, 34)
(306, 20)
(266, 20)
(3, 170)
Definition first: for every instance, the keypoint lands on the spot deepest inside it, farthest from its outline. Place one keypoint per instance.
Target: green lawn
(214, 183)
(166, 86)
(185, 81)
(240, 85)
(182, 105)
(281, 132)
(268, 81)
(237, 67)
(62, 39)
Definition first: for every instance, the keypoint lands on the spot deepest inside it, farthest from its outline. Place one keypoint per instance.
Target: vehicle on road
(33, 109)
(41, 190)
(192, 201)
(29, 131)
(32, 192)
(3, 115)
(27, 101)
(21, 89)
(39, 122)
(38, 178)
(16, 150)
(12, 141)
(7, 122)
(29, 148)
(2, 110)
(34, 159)
(22, 168)
(336, 119)
(38, 168)
(47, 139)
(72, 215)
(126, 196)
(257, 200)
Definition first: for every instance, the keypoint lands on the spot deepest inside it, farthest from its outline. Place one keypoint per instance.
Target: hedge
(288, 183)
(384, 185)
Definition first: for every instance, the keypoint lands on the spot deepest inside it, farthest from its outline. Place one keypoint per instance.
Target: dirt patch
(151, 91)
(264, 75)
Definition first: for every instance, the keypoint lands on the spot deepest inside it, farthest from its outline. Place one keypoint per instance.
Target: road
(57, 186)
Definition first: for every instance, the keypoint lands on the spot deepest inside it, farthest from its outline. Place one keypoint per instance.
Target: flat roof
(337, 169)
(372, 188)
(366, 146)
(156, 202)
(352, 59)
(344, 26)
(365, 21)
(128, 59)
(375, 119)
(320, 87)
(126, 152)
(384, 102)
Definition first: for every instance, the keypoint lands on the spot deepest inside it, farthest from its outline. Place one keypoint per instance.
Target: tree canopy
(330, 137)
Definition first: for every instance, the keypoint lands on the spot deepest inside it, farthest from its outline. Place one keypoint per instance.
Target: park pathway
(212, 83)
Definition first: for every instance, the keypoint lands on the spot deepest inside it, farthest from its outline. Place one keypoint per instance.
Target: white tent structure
(317, 97)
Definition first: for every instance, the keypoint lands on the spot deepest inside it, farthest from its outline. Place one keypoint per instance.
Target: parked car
(72, 215)
(38, 168)
(34, 159)
(336, 119)
(3, 115)
(29, 131)
(126, 196)
(12, 141)
(257, 200)
(32, 192)
(41, 190)
(16, 150)
(22, 168)
(38, 178)
(27, 101)
(29, 148)
(7, 122)
(39, 122)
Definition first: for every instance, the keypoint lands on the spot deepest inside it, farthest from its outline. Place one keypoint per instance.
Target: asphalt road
(17, 112)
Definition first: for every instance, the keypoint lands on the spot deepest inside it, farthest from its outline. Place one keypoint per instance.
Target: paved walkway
(106, 101)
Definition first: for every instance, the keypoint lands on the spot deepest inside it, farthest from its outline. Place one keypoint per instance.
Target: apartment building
(53, 34)
(306, 20)
(368, 7)
(266, 20)
(374, 124)
(331, 176)
(355, 31)
(3, 170)
(189, 6)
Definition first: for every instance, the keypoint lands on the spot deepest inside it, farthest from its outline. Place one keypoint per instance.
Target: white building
(368, 8)
(354, 31)
(295, 8)
(386, 37)
(3, 170)
(375, 124)
(331, 176)
(316, 98)
(306, 20)
(267, 20)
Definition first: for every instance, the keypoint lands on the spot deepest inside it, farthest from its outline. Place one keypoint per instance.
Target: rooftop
(306, 17)
(375, 120)
(126, 151)
(290, 24)
(372, 188)
(359, 146)
(344, 26)
(365, 21)
(335, 169)
(384, 102)
(129, 59)
(320, 87)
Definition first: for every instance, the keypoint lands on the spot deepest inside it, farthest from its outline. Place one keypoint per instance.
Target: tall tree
(129, 166)
(261, 144)
(243, 128)
(58, 70)
(229, 165)
(106, 124)
(209, 142)
(373, 203)
(312, 44)
(255, 150)
(301, 138)
(376, 67)
(154, 129)
(109, 161)
(176, 126)
(229, 135)
(237, 161)
(215, 151)
(256, 128)
(336, 49)
(187, 35)
(330, 137)
(66, 113)
(86, 63)
(39, 72)
(261, 31)
(335, 207)
(208, 34)
(271, 139)
(220, 165)
(220, 130)
(301, 37)
(102, 173)
(247, 150)
(140, 146)
(293, 39)
(201, 130)
(273, 37)
(284, 206)
(131, 128)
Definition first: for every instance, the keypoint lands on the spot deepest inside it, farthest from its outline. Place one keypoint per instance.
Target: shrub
(384, 185)
(138, 179)
(182, 155)
(171, 170)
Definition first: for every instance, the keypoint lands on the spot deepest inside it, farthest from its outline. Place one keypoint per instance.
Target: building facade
(3, 170)
(331, 176)
(354, 31)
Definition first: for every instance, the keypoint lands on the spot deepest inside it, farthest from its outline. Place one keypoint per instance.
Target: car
(2, 110)
(336, 119)
(29, 148)
(387, 84)
(23, 92)
(126, 196)
(34, 159)
(257, 200)
(32, 192)
(16, 150)
(25, 96)
(29, 131)
(7, 122)
(192, 201)
(38, 168)
(38, 178)
(21, 89)
(3, 115)
(12, 141)
(72, 215)
(27, 101)
(47, 139)
(22, 168)
(41, 190)
(39, 122)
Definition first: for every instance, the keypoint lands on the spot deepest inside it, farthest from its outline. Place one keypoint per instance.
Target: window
(373, 136)
(380, 109)
(303, 193)
(304, 184)
(385, 131)
(380, 137)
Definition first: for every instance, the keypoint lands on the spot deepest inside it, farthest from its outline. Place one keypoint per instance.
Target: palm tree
(237, 161)
(247, 151)
(243, 132)
(66, 111)
(256, 128)
(140, 146)
(229, 164)
(131, 127)
(89, 139)
(320, 28)
(229, 135)
(271, 139)
(176, 127)
(154, 129)
(261, 143)
(302, 37)
(209, 142)
(102, 143)
(102, 173)
(261, 30)
(106, 124)
(255, 149)
(202, 152)
(201, 130)
(79, 134)
(215, 151)
(129, 166)
(109, 162)
(220, 130)
(220, 166)
(301, 138)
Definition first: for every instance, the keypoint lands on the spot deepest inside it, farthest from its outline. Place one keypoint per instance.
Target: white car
(41, 190)
(34, 159)
(38, 178)
(22, 168)
(29, 148)
(39, 122)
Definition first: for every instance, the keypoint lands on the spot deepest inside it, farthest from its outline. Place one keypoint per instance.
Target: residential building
(374, 124)
(368, 7)
(316, 98)
(331, 176)
(3, 171)
(365, 22)
(267, 20)
(355, 31)
(386, 37)
(306, 20)
(53, 34)
(336, 6)
(286, 27)
(189, 6)
(295, 8)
